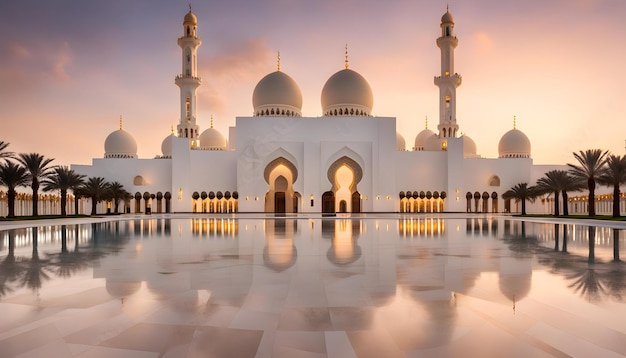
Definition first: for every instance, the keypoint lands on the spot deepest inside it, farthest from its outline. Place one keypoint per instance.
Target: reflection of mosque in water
(372, 267)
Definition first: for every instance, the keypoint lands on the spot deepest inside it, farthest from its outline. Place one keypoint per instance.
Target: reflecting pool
(367, 286)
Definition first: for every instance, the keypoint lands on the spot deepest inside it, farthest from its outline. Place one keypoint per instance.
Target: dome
(121, 289)
(212, 139)
(347, 93)
(447, 18)
(469, 147)
(421, 138)
(190, 18)
(166, 146)
(514, 144)
(434, 143)
(120, 144)
(400, 142)
(277, 94)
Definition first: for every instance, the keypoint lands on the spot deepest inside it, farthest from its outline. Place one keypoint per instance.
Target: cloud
(25, 68)
(233, 68)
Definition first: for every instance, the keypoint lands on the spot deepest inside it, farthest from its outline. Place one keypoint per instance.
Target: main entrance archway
(344, 175)
(280, 174)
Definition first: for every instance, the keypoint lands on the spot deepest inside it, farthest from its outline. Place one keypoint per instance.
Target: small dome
(212, 139)
(347, 93)
(190, 18)
(421, 138)
(166, 146)
(120, 144)
(400, 142)
(447, 18)
(469, 147)
(122, 289)
(514, 144)
(277, 94)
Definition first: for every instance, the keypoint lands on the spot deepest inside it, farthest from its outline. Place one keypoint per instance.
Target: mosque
(279, 161)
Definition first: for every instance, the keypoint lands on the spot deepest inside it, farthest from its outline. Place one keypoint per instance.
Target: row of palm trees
(594, 166)
(22, 169)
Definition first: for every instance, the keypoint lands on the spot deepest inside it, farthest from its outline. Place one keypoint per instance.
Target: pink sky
(70, 69)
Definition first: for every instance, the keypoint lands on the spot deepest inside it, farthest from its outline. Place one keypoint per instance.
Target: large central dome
(277, 94)
(347, 93)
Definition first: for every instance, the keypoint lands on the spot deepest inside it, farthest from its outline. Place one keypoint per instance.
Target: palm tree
(63, 178)
(521, 192)
(551, 182)
(117, 193)
(570, 184)
(96, 189)
(12, 175)
(590, 167)
(3, 146)
(37, 167)
(614, 175)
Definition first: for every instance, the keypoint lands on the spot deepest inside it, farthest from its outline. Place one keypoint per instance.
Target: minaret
(188, 80)
(448, 81)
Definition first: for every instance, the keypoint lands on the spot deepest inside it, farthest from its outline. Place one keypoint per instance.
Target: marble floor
(307, 286)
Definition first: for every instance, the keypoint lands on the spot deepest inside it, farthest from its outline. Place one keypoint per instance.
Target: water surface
(372, 286)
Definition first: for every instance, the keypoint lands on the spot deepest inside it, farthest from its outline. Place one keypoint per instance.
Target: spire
(426, 122)
(278, 61)
(172, 129)
(120, 122)
(189, 7)
(211, 121)
(346, 56)
(514, 122)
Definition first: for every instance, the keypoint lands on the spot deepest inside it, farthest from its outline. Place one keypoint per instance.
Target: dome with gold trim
(347, 93)
(514, 144)
(277, 94)
(120, 144)
(212, 139)
(190, 18)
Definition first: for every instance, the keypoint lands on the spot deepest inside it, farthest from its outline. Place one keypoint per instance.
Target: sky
(70, 68)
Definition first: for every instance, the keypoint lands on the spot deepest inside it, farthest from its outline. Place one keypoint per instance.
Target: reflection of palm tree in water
(36, 272)
(68, 263)
(10, 269)
(587, 282)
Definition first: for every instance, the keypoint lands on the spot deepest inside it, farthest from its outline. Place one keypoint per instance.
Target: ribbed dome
(447, 18)
(166, 146)
(469, 147)
(514, 144)
(190, 18)
(212, 139)
(421, 138)
(400, 142)
(347, 93)
(277, 94)
(120, 144)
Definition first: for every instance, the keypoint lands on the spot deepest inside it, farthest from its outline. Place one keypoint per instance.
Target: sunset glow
(70, 69)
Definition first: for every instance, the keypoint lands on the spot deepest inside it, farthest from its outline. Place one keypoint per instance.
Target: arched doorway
(328, 202)
(280, 174)
(344, 175)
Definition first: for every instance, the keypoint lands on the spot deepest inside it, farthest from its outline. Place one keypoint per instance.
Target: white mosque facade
(347, 160)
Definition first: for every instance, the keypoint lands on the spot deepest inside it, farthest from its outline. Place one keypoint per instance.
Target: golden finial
(189, 7)
(426, 122)
(447, 7)
(172, 129)
(278, 61)
(346, 56)
(211, 121)
(514, 122)
(120, 122)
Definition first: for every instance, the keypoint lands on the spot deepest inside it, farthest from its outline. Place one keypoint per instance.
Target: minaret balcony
(454, 79)
(444, 40)
(180, 77)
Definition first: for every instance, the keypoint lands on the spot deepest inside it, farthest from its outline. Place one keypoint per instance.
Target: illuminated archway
(344, 174)
(280, 174)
